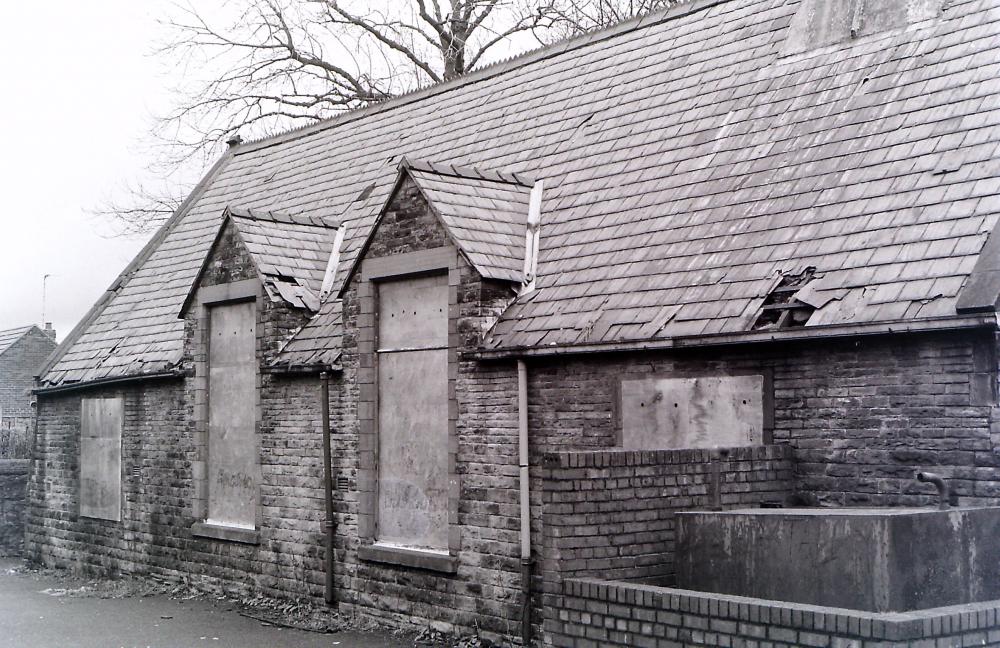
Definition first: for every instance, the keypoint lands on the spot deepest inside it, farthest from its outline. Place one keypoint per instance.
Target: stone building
(23, 351)
(732, 252)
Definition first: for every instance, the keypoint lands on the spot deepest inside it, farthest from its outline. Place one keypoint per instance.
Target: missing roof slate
(781, 308)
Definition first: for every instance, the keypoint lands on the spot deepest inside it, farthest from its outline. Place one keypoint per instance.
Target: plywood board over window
(413, 477)
(232, 445)
(698, 412)
(101, 423)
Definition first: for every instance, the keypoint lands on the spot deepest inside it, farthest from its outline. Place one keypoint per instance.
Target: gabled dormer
(259, 283)
(446, 255)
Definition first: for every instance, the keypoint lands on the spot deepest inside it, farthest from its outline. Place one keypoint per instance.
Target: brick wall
(13, 479)
(862, 414)
(154, 536)
(160, 438)
(601, 613)
(612, 513)
(18, 366)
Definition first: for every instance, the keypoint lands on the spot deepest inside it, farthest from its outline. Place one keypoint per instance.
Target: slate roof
(318, 344)
(688, 159)
(485, 214)
(9, 337)
(290, 252)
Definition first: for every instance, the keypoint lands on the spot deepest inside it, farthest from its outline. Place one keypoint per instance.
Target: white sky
(79, 88)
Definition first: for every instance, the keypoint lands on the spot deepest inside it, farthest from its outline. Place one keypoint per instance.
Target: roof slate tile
(677, 149)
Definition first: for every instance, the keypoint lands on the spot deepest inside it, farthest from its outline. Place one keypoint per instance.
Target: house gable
(22, 353)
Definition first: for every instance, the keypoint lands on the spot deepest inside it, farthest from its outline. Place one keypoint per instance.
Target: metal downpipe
(329, 523)
(522, 445)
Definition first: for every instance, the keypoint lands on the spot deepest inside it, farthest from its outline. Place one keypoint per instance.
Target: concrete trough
(880, 560)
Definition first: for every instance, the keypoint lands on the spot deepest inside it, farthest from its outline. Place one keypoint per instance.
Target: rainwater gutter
(522, 447)
(329, 523)
(104, 382)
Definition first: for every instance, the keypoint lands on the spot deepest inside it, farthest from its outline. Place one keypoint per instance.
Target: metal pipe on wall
(522, 446)
(329, 524)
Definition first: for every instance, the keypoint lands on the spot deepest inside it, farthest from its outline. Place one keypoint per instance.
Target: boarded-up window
(413, 413)
(709, 412)
(232, 413)
(101, 421)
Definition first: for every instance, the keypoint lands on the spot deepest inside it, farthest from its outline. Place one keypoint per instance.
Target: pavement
(30, 617)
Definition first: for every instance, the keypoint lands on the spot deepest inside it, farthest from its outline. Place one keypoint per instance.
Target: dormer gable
(287, 254)
(483, 214)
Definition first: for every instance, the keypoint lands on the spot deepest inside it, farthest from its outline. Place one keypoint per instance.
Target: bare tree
(572, 17)
(260, 66)
(285, 62)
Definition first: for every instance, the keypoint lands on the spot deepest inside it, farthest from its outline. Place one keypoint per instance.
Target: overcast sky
(79, 87)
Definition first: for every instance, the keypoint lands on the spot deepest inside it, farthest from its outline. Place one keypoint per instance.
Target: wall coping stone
(619, 457)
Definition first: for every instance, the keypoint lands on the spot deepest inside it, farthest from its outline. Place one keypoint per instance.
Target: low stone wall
(13, 479)
(596, 613)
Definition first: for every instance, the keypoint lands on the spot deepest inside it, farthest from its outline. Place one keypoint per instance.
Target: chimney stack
(51, 332)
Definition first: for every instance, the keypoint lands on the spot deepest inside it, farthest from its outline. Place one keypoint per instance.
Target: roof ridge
(681, 8)
(471, 172)
(20, 330)
(269, 216)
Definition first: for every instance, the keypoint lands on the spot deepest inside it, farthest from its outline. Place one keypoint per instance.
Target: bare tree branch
(262, 66)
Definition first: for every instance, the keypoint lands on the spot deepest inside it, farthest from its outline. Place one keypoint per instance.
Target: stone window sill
(229, 534)
(429, 560)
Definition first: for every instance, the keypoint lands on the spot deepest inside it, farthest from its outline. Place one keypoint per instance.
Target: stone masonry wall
(13, 479)
(484, 592)
(862, 414)
(595, 614)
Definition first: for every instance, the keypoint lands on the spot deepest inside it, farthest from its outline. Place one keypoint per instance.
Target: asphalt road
(31, 618)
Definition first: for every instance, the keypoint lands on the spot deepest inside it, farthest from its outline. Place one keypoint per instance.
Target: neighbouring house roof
(9, 337)
(695, 161)
(289, 252)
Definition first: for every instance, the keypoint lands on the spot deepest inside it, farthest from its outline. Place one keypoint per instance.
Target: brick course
(597, 613)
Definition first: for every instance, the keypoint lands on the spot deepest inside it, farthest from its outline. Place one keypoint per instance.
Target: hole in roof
(780, 308)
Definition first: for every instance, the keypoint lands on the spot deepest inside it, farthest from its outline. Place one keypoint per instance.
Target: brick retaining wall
(612, 513)
(606, 613)
(13, 478)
